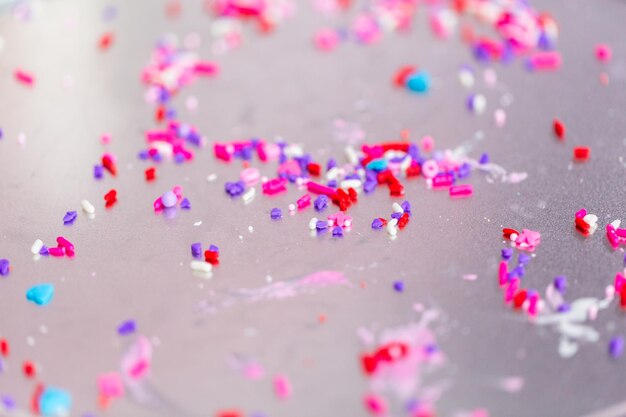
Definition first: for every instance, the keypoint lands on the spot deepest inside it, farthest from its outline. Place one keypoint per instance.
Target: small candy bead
(276, 214)
(196, 250)
(616, 346)
(559, 129)
(461, 191)
(398, 286)
(127, 327)
(168, 199)
(4, 267)
(419, 82)
(603, 52)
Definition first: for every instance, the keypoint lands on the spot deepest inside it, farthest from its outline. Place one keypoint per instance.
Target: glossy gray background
(280, 86)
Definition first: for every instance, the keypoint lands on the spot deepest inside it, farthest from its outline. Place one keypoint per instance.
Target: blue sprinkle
(40, 294)
(55, 402)
(377, 165)
(419, 82)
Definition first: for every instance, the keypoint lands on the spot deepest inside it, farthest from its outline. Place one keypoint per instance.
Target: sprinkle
(127, 327)
(98, 171)
(58, 251)
(110, 198)
(337, 231)
(68, 247)
(24, 77)
(111, 385)
(88, 207)
(200, 266)
(150, 174)
(507, 253)
(196, 250)
(461, 191)
(214, 248)
(616, 346)
(69, 218)
(544, 61)
(40, 294)
(560, 283)
(581, 153)
(603, 52)
(105, 41)
(276, 214)
(185, 204)
(320, 203)
(4, 267)
(375, 404)
(398, 286)
(477, 103)
(234, 189)
(321, 225)
(54, 402)
(36, 247)
(44, 251)
(303, 202)
(282, 387)
(559, 129)
(418, 82)
(377, 224)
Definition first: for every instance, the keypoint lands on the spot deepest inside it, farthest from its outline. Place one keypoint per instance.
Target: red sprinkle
(582, 153)
(314, 169)
(150, 174)
(4, 347)
(212, 257)
(110, 198)
(559, 129)
(106, 40)
(29, 369)
(34, 403)
(507, 232)
(402, 74)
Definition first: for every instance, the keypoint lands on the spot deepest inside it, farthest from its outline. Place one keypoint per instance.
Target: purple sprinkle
(332, 184)
(1, 365)
(234, 189)
(519, 271)
(276, 213)
(398, 286)
(369, 186)
(616, 346)
(185, 204)
(157, 157)
(179, 158)
(98, 171)
(4, 267)
(321, 225)
(214, 248)
(406, 206)
(625, 259)
(377, 224)
(1, 134)
(196, 250)
(564, 308)
(560, 283)
(143, 154)
(484, 159)
(507, 253)
(337, 231)
(321, 203)
(331, 164)
(523, 259)
(8, 402)
(396, 215)
(430, 348)
(127, 327)
(69, 218)
(44, 251)
(464, 170)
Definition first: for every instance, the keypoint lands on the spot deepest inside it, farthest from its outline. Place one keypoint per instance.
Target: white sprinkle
(248, 196)
(211, 177)
(313, 224)
(36, 247)
(351, 155)
(397, 208)
(200, 266)
(30, 341)
(250, 229)
(88, 207)
(198, 223)
(351, 183)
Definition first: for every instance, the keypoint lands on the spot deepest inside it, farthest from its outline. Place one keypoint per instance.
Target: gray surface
(276, 86)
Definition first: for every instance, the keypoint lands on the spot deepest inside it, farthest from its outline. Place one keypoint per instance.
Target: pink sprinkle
(511, 290)
(375, 404)
(316, 188)
(59, 251)
(250, 176)
(206, 68)
(282, 387)
(304, 201)
(340, 219)
(545, 61)
(105, 138)
(442, 181)
(528, 240)
(275, 186)
(291, 167)
(428, 143)
(502, 273)
(221, 152)
(470, 277)
(619, 282)
(461, 191)
(326, 39)
(66, 245)
(603, 52)
(533, 304)
(111, 385)
(24, 77)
